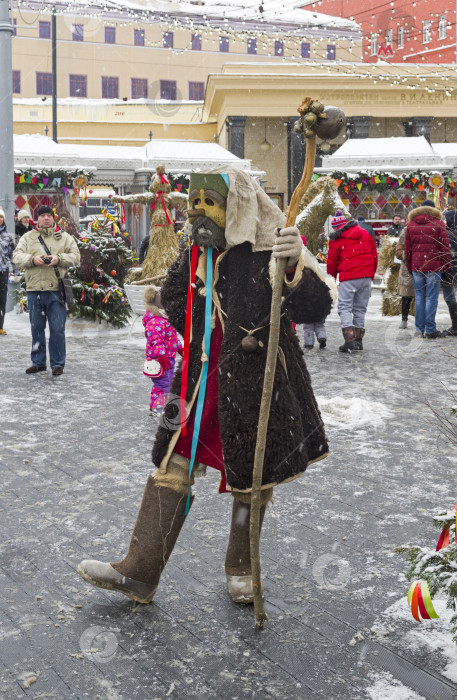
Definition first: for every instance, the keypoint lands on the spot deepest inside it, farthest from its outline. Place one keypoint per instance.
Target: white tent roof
(395, 154)
(121, 165)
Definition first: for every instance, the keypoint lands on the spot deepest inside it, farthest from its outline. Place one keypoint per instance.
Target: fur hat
(339, 220)
(45, 210)
(152, 300)
(428, 203)
(22, 214)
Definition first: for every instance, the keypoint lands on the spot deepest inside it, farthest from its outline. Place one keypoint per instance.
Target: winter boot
(350, 342)
(309, 347)
(359, 333)
(404, 324)
(453, 314)
(238, 557)
(159, 522)
(322, 343)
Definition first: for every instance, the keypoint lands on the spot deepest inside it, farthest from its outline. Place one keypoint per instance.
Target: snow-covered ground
(74, 455)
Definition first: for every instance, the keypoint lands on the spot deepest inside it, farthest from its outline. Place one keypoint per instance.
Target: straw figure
(391, 300)
(163, 243)
(320, 201)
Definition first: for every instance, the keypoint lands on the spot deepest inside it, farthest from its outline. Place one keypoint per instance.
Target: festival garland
(59, 179)
(381, 181)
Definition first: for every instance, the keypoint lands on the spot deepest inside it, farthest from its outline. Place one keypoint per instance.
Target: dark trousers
(45, 306)
(405, 306)
(3, 295)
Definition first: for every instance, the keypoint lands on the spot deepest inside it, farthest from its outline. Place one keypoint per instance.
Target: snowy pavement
(75, 454)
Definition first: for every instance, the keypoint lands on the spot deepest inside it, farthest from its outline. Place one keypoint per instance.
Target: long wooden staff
(270, 367)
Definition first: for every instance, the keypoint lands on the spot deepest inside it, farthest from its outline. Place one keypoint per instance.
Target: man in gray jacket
(42, 286)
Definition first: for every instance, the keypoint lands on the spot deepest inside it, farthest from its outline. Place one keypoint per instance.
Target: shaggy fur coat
(296, 434)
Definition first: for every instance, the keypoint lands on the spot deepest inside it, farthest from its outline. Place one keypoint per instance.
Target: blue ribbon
(204, 377)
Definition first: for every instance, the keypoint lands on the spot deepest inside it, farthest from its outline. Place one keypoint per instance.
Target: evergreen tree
(98, 282)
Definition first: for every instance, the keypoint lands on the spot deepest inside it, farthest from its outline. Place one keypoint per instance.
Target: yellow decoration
(377, 179)
(359, 186)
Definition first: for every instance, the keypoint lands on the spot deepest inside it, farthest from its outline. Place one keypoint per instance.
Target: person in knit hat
(6, 254)
(23, 224)
(352, 255)
(42, 284)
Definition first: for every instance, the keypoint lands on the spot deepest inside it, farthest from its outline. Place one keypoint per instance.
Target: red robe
(209, 448)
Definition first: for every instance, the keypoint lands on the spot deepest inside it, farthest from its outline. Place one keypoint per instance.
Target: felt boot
(453, 314)
(350, 343)
(359, 333)
(159, 522)
(238, 557)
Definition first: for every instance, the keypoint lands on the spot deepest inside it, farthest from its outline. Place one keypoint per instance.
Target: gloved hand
(164, 362)
(288, 244)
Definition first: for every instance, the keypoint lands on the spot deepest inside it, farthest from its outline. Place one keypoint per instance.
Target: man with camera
(43, 261)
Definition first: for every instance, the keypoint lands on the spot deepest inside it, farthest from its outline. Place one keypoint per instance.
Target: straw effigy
(320, 201)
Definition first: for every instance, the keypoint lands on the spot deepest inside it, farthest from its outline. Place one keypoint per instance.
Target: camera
(47, 260)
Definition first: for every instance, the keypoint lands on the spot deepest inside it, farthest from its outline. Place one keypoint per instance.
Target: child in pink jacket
(162, 344)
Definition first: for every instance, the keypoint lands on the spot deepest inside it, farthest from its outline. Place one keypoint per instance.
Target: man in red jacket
(427, 256)
(352, 254)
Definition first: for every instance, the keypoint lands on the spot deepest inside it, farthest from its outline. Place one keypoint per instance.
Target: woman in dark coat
(449, 280)
(405, 282)
(235, 228)
(427, 256)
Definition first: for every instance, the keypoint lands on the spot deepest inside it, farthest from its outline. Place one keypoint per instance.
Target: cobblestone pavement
(74, 459)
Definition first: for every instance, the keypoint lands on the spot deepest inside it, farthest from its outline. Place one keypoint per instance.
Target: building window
(44, 29)
(14, 32)
(442, 27)
(168, 40)
(401, 38)
(426, 31)
(44, 83)
(139, 88)
(305, 49)
(252, 46)
(138, 37)
(331, 52)
(78, 85)
(110, 88)
(78, 32)
(196, 42)
(279, 48)
(110, 35)
(168, 89)
(374, 45)
(224, 44)
(196, 91)
(17, 81)
(389, 37)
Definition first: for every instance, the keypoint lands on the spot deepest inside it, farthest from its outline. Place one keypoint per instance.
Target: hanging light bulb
(265, 146)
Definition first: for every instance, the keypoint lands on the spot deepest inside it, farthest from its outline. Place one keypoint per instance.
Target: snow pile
(341, 412)
(385, 687)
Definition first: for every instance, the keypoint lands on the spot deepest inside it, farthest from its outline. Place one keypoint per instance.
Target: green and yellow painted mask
(208, 204)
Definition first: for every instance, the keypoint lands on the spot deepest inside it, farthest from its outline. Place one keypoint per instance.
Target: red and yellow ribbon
(421, 602)
(444, 539)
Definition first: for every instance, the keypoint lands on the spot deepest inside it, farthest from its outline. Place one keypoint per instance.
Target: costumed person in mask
(222, 286)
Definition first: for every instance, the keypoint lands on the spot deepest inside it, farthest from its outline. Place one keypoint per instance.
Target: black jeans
(3, 295)
(405, 306)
